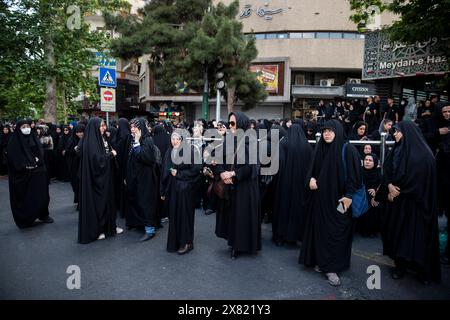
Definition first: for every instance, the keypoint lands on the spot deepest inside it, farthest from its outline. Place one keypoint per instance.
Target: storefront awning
(316, 91)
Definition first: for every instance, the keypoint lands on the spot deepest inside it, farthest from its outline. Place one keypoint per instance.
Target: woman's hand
(173, 172)
(226, 175)
(137, 136)
(390, 197)
(374, 203)
(114, 152)
(313, 184)
(347, 202)
(393, 190)
(372, 192)
(163, 198)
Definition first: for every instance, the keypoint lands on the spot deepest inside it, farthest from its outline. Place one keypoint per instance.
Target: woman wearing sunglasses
(242, 229)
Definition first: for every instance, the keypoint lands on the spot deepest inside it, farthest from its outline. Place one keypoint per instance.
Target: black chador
(73, 159)
(178, 183)
(28, 179)
(327, 239)
(242, 208)
(142, 181)
(290, 221)
(410, 224)
(123, 138)
(97, 217)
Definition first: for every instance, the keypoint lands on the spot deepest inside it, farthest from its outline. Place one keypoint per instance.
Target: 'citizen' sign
(362, 90)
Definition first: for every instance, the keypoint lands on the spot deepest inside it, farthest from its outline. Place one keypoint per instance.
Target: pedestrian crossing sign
(107, 77)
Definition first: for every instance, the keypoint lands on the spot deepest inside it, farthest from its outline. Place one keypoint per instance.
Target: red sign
(108, 95)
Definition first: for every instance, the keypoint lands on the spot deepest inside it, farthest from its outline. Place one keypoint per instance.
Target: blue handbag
(360, 204)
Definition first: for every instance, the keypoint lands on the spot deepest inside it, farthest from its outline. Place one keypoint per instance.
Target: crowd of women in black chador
(140, 173)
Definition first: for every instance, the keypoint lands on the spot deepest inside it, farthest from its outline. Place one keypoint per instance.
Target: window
(349, 35)
(335, 35)
(282, 36)
(260, 36)
(299, 79)
(271, 36)
(295, 35)
(308, 35)
(322, 35)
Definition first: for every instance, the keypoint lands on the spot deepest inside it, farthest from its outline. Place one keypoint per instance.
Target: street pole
(205, 103)
(218, 106)
(107, 119)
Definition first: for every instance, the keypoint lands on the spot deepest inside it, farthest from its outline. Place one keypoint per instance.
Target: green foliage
(25, 26)
(419, 20)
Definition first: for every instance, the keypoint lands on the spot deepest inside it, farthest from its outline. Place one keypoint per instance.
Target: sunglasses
(232, 123)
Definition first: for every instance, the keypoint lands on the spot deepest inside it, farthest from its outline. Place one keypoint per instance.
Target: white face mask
(26, 131)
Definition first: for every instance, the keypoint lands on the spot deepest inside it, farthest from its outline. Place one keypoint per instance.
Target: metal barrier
(382, 143)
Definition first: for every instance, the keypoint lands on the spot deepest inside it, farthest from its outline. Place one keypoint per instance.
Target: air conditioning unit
(353, 81)
(326, 83)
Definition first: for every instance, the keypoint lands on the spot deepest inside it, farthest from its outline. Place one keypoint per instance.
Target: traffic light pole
(205, 103)
(218, 106)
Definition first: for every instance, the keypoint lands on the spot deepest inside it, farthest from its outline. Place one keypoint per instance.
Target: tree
(185, 38)
(418, 20)
(50, 54)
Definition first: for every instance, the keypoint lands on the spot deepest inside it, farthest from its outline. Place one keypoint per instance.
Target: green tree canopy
(47, 53)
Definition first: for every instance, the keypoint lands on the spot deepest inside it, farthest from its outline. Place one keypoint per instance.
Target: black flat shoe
(147, 236)
(234, 254)
(208, 212)
(188, 247)
(46, 220)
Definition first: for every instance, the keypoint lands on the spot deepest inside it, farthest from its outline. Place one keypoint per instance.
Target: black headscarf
(141, 124)
(354, 135)
(161, 139)
(124, 129)
(242, 121)
(372, 177)
(23, 149)
(329, 155)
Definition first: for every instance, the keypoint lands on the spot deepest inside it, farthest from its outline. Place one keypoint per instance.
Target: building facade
(307, 50)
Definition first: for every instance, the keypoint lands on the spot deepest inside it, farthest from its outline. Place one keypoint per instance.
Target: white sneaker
(333, 279)
(119, 230)
(101, 236)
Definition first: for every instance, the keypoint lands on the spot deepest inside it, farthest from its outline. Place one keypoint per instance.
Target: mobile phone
(340, 208)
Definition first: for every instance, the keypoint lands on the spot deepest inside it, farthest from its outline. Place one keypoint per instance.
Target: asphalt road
(34, 262)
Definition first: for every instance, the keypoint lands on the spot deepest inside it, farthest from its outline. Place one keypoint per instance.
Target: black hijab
(327, 159)
(161, 139)
(23, 149)
(123, 132)
(372, 177)
(242, 121)
(354, 135)
(141, 124)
